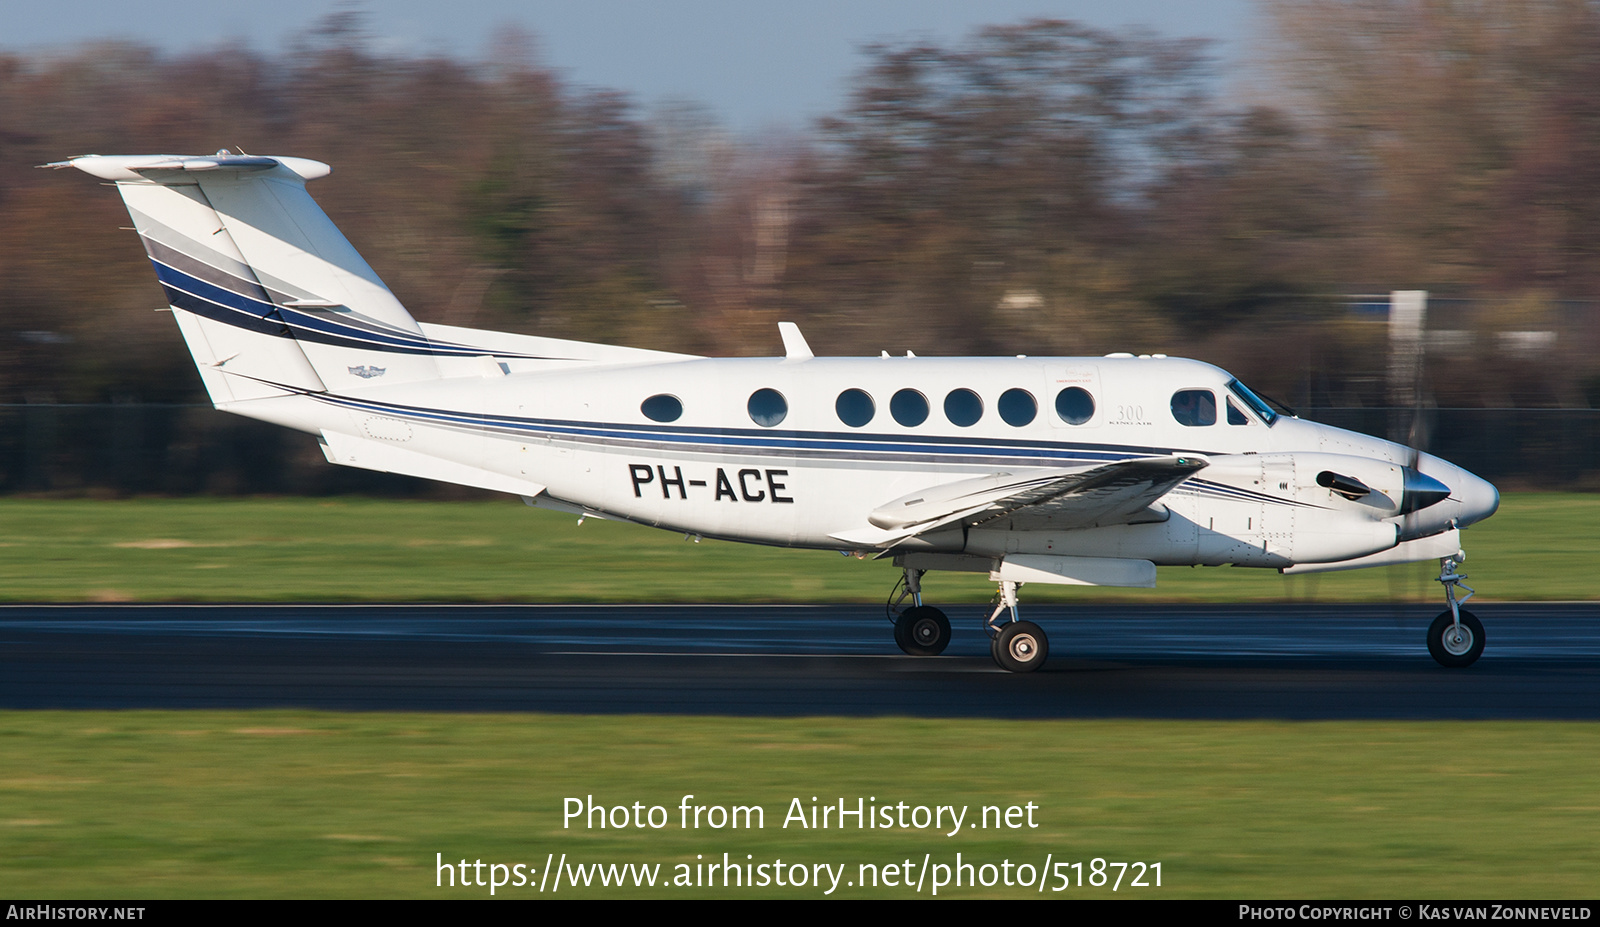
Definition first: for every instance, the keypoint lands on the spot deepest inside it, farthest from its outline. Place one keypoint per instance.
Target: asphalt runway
(1161, 661)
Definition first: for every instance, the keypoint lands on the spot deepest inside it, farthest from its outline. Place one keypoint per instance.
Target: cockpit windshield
(1256, 404)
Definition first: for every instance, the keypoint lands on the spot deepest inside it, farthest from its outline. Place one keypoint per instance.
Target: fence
(169, 449)
(1515, 448)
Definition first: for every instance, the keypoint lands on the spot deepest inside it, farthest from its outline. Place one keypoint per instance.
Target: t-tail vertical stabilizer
(270, 296)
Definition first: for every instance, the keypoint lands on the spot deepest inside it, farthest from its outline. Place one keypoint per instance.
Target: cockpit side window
(1194, 407)
(1255, 403)
(1235, 417)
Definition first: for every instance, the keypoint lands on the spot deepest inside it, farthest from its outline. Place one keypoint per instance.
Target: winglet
(794, 343)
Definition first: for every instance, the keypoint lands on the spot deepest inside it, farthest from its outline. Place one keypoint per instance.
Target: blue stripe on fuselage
(933, 447)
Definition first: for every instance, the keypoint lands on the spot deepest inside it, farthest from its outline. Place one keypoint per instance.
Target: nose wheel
(1455, 639)
(1456, 644)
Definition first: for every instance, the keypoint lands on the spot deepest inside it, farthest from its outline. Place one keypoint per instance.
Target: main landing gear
(924, 631)
(921, 630)
(1018, 646)
(1456, 637)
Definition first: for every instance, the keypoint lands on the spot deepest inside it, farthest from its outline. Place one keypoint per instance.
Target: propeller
(1417, 434)
(1419, 489)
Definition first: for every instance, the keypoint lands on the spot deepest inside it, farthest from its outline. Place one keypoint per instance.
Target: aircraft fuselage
(714, 470)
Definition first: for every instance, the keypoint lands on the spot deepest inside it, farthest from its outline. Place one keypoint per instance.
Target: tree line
(1040, 187)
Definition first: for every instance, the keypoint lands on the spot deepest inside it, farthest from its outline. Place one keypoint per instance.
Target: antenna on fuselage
(794, 343)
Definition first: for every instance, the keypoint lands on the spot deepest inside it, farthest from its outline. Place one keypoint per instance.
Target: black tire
(922, 631)
(1021, 647)
(1451, 649)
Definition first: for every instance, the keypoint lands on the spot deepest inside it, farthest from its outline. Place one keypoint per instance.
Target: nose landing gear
(1455, 638)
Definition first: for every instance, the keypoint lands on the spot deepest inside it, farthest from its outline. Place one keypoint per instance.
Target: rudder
(269, 295)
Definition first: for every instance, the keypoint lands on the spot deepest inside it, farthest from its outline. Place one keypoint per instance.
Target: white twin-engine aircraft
(1077, 470)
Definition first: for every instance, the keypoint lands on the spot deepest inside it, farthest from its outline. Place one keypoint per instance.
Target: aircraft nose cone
(1479, 499)
(1470, 498)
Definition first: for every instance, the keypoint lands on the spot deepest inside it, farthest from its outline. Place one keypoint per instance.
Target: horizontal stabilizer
(171, 168)
(534, 352)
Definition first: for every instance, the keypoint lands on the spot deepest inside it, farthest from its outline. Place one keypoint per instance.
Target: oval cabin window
(662, 408)
(1074, 405)
(963, 407)
(767, 407)
(1017, 407)
(855, 407)
(909, 407)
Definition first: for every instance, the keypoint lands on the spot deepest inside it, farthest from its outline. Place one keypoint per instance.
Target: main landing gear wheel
(1020, 647)
(1017, 646)
(1453, 645)
(922, 631)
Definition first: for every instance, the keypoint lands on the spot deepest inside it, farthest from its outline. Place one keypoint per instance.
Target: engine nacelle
(1328, 537)
(1281, 509)
(1339, 482)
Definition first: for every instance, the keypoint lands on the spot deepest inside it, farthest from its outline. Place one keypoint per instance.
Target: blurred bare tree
(1040, 187)
(1474, 126)
(985, 193)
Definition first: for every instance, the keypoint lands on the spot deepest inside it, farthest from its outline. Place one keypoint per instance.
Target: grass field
(1539, 546)
(299, 804)
(304, 804)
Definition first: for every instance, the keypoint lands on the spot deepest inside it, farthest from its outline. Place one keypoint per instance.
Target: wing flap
(1116, 493)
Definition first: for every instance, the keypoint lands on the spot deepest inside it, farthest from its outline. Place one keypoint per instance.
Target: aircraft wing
(1080, 497)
